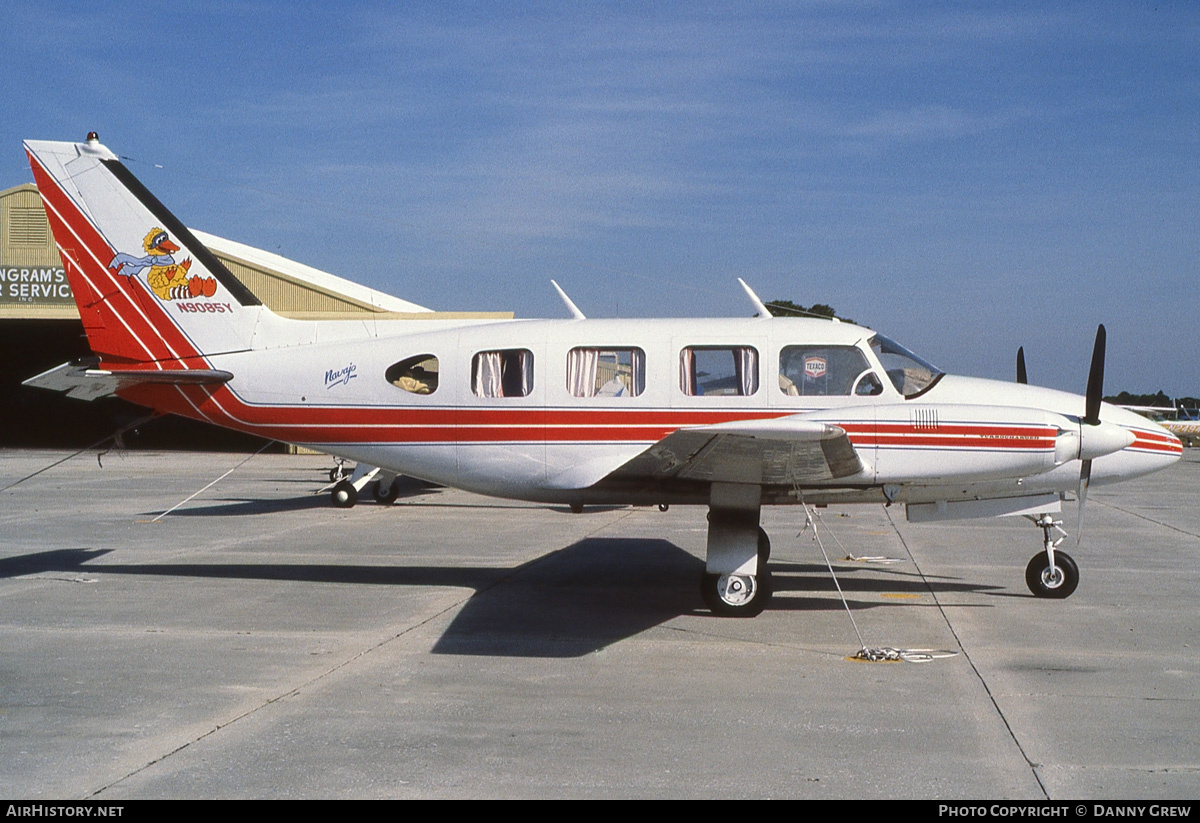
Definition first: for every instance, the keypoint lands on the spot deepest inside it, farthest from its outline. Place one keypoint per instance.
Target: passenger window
(418, 375)
(718, 370)
(606, 372)
(812, 371)
(504, 373)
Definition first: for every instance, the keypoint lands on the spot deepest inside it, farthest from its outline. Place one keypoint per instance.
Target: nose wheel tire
(736, 595)
(1058, 585)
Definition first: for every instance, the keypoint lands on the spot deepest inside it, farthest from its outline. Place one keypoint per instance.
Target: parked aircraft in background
(1181, 422)
(732, 414)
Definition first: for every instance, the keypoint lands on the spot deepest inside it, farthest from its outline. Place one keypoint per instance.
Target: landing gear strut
(339, 471)
(736, 581)
(1052, 573)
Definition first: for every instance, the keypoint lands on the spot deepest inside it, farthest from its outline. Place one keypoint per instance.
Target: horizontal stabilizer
(81, 380)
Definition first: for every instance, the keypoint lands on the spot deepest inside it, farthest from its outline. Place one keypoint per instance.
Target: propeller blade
(1095, 384)
(1085, 477)
(1091, 417)
(1021, 376)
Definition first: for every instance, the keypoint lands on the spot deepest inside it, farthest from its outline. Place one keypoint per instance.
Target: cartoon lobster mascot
(166, 278)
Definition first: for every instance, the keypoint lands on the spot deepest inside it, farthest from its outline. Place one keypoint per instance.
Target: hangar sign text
(34, 285)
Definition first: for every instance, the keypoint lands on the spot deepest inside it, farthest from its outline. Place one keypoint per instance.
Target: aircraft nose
(1158, 448)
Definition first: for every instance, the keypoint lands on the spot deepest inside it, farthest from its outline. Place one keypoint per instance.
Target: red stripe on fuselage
(331, 424)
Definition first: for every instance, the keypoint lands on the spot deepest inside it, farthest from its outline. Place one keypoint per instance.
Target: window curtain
(525, 363)
(747, 370)
(487, 380)
(581, 372)
(637, 368)
(687, 371)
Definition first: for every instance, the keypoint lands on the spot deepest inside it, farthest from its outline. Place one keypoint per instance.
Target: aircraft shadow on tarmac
(236, 508)
(569, 603)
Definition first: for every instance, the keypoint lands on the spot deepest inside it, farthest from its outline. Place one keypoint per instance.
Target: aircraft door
(502, 421)
(833, 383)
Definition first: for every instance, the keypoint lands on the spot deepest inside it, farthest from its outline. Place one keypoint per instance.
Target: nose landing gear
(1051, 573)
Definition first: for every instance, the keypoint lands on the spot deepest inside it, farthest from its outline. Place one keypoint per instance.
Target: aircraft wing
(766, 452)
(84, 382)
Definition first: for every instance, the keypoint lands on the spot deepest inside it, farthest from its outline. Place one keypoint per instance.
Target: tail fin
(147, 290)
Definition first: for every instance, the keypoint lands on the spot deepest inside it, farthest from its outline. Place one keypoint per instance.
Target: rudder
(148, 291)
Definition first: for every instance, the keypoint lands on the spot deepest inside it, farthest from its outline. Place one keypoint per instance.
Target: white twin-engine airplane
(728, 413)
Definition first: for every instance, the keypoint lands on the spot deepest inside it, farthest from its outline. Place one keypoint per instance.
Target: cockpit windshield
(909, 374)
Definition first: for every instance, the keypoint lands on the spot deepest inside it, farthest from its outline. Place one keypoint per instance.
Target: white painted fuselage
(960, 439)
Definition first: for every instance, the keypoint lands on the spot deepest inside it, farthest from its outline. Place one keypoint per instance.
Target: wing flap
(767, 452)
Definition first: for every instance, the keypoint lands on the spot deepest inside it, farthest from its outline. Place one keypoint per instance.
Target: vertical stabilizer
(147, 290)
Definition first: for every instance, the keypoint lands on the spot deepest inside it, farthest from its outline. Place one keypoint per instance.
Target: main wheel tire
(736, 595)
(764, 547)
(386, 494)
(344, 495)
(1057, 586)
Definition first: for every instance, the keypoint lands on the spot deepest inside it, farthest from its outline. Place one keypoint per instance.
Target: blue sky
(965, 177)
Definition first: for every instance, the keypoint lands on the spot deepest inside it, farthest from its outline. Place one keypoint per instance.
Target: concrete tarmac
(258, 643)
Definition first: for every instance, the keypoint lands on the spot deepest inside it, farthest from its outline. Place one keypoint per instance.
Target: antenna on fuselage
(571, 307)
(759, 305)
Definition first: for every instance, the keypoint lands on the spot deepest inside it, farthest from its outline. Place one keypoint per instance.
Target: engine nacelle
(1083, 441)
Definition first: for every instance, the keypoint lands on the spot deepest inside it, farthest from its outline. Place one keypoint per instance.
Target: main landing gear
(1052, 573)
(736, 581)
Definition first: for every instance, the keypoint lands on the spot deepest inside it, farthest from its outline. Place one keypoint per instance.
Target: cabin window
(606, 372)
(718, 370)
(418, 375)
(504, 373)
(815, 371)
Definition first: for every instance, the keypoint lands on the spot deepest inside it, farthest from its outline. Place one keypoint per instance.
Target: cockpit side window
(868, 385)
(911, 375)
(808, 371)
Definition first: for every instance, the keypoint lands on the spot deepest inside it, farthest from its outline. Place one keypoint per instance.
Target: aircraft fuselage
(557, 437)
